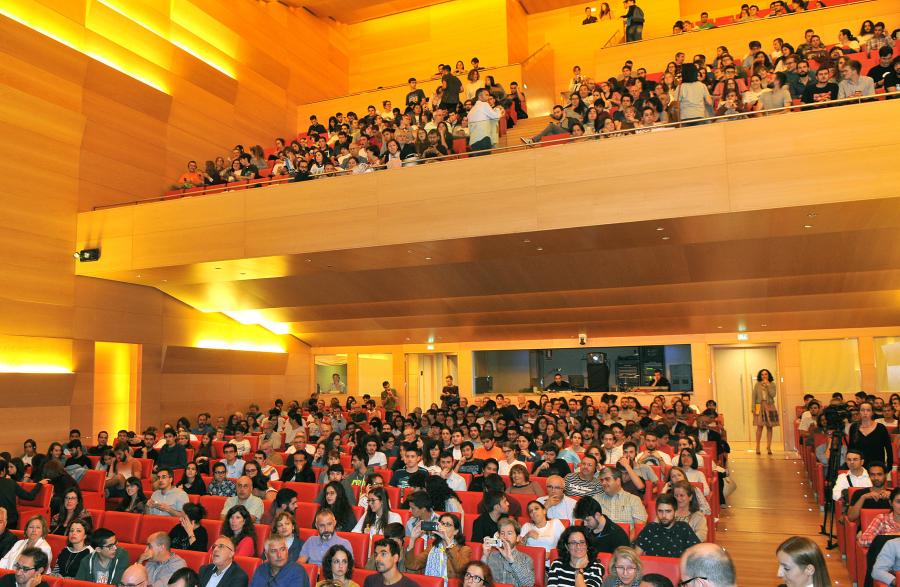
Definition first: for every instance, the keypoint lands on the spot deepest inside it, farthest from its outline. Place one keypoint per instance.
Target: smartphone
(493, 542)
(429, 526)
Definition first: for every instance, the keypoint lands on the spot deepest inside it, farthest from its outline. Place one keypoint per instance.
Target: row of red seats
(730, 19)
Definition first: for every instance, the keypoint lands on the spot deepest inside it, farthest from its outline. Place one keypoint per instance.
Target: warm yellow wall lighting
(116, 374)
(239, 346)
(29, 354)
(55, 26)
(256, 317)
(176, 36)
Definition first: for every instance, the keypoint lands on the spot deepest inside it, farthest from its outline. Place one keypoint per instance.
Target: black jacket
(9, 490)
(234, 576)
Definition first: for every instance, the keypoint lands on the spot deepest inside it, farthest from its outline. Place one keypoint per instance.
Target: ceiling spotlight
(807, 226)
(428, 258)
(719, 327)
(660, 228)
(539, 248)
(526, 241)
(665, 238)
(763, 325)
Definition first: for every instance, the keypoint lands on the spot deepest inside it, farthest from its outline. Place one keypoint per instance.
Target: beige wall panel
(181, 359)
(190, 213)
(103, 224)
(36, 81)
(30, 389)
(338, 194)
(46, 423)
(40, 285)
(110, 326)
(221, 241)
(311, 232)
(118, 297)
(28, 318)
(516, 32)
(52, 219)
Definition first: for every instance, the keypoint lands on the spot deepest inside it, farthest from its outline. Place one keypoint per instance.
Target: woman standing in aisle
(765, 414)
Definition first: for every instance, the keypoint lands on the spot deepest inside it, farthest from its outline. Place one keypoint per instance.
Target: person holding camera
(446, 555)
(507, 563)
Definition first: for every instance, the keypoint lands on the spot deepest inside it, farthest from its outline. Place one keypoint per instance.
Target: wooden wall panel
(516, 32)
(386, 51)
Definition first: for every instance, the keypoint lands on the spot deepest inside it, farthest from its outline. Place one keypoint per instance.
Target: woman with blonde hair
(625, 568)
(801, 564)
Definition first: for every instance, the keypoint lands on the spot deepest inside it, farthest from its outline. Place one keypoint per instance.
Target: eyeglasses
(23, 568)
(220, 545)
(476, 578)
(624, 569)
(576, 543)
(691, 580)
(108, 546)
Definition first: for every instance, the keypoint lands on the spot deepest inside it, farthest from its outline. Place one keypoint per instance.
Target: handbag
(771, 416)
(728, 486)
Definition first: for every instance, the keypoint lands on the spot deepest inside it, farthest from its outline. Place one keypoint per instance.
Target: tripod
(834, 461)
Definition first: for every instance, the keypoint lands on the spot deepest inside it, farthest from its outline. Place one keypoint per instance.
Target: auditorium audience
(577, 564)
(35, 537)
(666, 536)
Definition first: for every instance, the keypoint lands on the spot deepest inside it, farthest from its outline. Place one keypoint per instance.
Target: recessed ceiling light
(138, 274)
(811, 215)
(660, 228)
(763, 325)
(428, 258)
(665, 238)
(165, 281)
(807, 226)
(719, 327)
(410, 251)
(526, 241)
(309, 260)
(539, 248)
(329, 266)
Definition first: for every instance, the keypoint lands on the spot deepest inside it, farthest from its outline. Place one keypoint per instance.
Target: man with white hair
(709, 562)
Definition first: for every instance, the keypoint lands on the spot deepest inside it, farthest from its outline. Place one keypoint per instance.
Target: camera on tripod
(836, 417)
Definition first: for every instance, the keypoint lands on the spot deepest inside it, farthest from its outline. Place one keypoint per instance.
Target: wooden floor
(772, 502)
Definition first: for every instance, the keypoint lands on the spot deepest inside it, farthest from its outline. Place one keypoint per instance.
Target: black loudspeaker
(598, 376)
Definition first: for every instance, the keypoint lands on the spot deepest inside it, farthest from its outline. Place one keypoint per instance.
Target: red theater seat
(248, 564)
(93, 481)
(40, 501)
(213, 529)
(360, 544)
(213, 505)
(662, 565)
(124, 525)
(193, 558)
(307, 492)
(306, 514)
(312, 571)
(152, 524)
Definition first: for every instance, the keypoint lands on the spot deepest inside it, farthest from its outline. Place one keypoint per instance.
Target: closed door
(734, 374)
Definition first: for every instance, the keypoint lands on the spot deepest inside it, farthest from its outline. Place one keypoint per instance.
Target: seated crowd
(687, 91)
(594, 488)
(695, 91)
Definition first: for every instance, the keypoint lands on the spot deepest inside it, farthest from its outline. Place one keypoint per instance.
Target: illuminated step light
(239, 346)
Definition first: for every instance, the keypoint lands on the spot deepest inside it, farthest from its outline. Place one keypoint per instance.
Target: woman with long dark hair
(192, 483)
(870, 438)
(239, 527)
(337, 567)
(71, 508)
(135, 501)
(334, 498)
(77, 548)
(378, 513)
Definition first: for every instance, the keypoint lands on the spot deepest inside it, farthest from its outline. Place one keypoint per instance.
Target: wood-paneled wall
(387, 51)
(82, 133)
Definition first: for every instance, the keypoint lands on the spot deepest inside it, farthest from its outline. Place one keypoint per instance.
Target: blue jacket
(291, 575)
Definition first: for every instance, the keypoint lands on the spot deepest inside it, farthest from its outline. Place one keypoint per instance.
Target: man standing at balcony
(482, 119)
(451, 88)
(634, 22)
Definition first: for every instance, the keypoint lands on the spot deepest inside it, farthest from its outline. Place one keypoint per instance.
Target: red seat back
(426, 581)
(124, 525)
(194, 559)
(152, 524)
(662, 565)
(470, 501)
(41, 500)
(307, 492)
(213, 529)
(306, 514)
(134, 550)
(146, 467)
(360, 574)
(248, 563)
(312, 571)
(360, 544)
(93, 481)
(93, 501)
(57, 543)
(538, 556)
(213, 505)
(262, 533)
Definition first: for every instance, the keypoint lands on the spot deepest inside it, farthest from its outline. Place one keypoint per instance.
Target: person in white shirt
(651, 455)
(299, 443)
(455, 481)
(558, 505)
(809, 417)
(376, 457)
(509, 451)
(857, 476)
(483, 121)
(612, 452)
(541, 531)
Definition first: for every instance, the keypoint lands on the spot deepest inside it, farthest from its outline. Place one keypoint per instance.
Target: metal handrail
(522, 147)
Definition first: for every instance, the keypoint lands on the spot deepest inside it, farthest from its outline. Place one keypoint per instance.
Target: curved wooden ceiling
(761, 270)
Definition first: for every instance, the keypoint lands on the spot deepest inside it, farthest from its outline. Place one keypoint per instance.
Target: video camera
(836, 416)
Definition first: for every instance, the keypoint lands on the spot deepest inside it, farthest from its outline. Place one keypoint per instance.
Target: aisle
(767, 508)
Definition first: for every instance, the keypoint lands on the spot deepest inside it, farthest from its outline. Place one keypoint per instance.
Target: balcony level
(659, 232)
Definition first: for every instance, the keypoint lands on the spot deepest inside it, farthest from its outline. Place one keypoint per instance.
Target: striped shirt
(577, 486)
(562, 575)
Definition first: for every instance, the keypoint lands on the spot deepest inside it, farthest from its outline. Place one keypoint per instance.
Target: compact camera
(493, 542)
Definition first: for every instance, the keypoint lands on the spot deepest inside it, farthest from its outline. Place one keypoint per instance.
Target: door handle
(743, 402)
